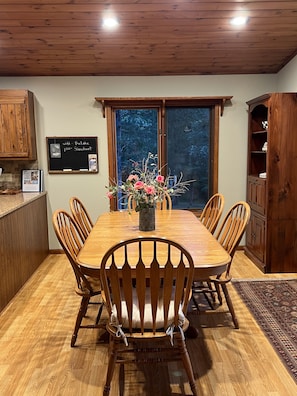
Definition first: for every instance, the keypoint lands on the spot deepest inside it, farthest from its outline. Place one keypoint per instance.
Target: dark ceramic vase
(147, 219)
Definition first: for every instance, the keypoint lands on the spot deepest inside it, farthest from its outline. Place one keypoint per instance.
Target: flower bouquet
(146, 185)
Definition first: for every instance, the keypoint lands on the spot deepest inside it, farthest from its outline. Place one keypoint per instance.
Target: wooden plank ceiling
(154, 37)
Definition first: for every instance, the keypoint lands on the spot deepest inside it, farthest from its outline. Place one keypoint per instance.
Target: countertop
(9, 203)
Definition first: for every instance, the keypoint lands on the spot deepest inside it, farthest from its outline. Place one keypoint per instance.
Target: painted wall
(65, 106)
(287, 77)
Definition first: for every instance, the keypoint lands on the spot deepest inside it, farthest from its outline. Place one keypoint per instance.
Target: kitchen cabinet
(23, 240)
(271, 237)
(17, 125)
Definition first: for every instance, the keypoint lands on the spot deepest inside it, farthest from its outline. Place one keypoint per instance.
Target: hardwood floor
(36, 357)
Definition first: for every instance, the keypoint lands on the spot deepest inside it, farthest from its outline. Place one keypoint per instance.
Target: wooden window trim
(166, 101)
(217, 103)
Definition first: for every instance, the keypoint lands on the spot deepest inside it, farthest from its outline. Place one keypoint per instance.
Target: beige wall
(287, 77)
(65, 106)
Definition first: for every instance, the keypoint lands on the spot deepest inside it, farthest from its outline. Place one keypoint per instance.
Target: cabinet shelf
(259, 132)
(257, 177)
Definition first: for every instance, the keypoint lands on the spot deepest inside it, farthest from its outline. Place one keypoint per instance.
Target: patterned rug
(273, 304)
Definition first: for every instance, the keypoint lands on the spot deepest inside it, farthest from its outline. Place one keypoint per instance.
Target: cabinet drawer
(256, 194)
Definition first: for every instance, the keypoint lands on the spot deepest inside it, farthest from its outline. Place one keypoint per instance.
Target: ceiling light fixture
(110, 22)
(239, 21)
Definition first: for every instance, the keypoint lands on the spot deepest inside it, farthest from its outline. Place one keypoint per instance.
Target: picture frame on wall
(32, 180)
(72, 154)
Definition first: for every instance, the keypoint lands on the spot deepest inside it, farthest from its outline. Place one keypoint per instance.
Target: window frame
(109, 105)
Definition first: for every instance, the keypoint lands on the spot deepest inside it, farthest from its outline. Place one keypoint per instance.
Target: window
(188, 140)
(182, 131)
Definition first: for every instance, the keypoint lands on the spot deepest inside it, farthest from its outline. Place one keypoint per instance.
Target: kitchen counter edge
(10, 203)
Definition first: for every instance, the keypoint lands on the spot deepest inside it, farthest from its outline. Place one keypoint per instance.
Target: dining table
(182, 226)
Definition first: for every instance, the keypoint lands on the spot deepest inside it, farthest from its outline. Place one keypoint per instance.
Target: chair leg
(198, 287)
(209, 285)
(99, 313)
(187, 363)
(122, 380)
(208, 299)
(81, 313)
(218, 291)
(111, 365)
(194, 301)
(230, 305)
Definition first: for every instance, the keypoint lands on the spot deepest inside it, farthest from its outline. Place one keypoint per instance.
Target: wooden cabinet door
(256, 194)
(255, 236)
(17, 129)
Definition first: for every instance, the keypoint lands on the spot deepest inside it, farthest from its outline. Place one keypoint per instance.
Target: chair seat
(148, 317)
(85, 291)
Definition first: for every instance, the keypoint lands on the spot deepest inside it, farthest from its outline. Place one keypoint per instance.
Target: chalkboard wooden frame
(72, 154)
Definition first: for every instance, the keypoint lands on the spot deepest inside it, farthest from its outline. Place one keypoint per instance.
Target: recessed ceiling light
(239, 21)
(110, 22)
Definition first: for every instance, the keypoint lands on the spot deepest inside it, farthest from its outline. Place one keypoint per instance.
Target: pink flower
(132, 178)
(160, 179)
(109, 194)
(150, 190)
(139, 185)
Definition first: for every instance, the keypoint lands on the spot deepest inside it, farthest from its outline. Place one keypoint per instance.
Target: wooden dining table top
(182, 226)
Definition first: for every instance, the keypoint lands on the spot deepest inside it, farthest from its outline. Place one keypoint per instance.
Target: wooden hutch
(271, 238)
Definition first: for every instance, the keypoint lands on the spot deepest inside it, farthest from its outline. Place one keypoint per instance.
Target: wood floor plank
(36, 357)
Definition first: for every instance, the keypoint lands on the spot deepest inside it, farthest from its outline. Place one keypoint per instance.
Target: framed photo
(32, 180)
(93, 163)
(55, 150)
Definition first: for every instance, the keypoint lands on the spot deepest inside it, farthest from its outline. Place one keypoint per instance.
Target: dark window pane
(188, 142)
(136, 134)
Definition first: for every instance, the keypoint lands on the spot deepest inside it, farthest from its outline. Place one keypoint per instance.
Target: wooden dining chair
(165, 204)
(147, 285)
(229, 235)
(81, 216)
(212, 212)
(210, 216)
(88, 283)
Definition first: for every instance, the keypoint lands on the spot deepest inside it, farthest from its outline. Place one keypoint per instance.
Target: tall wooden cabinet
(271, 238)
(17, 125)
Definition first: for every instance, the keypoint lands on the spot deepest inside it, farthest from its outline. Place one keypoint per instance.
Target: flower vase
(147, 219)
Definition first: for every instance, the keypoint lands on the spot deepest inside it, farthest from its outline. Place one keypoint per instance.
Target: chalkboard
(72, 154)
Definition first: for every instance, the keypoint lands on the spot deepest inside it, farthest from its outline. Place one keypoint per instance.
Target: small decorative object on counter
(32, 180)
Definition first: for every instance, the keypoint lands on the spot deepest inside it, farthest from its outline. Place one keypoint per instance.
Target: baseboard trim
(56, 251)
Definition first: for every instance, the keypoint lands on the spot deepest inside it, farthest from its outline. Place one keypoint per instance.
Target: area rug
(273, 304)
